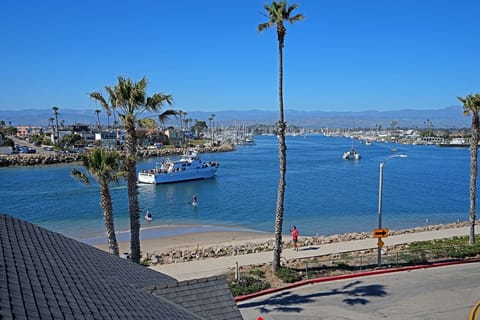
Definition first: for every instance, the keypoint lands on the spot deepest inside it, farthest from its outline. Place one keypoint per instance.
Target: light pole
(213, 128)
(380, 191)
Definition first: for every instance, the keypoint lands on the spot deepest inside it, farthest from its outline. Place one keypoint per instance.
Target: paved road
(433, 293)
(20, 142)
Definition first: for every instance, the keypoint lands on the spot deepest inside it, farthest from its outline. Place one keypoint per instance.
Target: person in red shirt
(294, 232)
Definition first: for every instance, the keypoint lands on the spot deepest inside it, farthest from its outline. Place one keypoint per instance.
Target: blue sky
(347, 55)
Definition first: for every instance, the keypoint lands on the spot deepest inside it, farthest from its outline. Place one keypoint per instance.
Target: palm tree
(109, 113)
(97, 112)
(55, 112)
(277, 14)
(105, 167)
(107, 107)
(50, 122)
(129, 99)
(471, 105)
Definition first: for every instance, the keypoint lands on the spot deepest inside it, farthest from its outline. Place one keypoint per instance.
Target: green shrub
(464, 251)
(414, 257)
(247, 285)
(288, 275)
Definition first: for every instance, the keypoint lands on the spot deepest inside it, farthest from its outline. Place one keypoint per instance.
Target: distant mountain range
(450, 117)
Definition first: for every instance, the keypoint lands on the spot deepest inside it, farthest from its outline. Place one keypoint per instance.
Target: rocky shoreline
(48, 158)
(215, 251)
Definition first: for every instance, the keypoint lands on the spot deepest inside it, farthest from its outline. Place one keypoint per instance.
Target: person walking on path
(294, 232)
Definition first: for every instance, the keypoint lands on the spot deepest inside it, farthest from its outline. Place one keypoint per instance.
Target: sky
(346, 55)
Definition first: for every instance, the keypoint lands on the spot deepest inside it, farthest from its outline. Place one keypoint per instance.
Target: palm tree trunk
(473, 174)
(277, 250)
(106, 204)
(133, 205)
(56, 129)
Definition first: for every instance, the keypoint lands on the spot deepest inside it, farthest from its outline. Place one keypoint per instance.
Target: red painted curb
(351, 275)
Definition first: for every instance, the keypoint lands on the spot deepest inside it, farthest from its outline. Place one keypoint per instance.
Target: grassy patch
(416, 253)
(456, 248)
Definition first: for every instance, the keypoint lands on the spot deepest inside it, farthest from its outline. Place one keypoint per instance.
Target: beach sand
(173, 240)
(194, 240)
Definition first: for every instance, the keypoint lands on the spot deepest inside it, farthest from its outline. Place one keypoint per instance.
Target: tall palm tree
(471, 105)
(50, 122)
(105, 167)
(55, 112)
(97, 112)
(106, 106)
(129, 100)
(109, 113)
(277, 13)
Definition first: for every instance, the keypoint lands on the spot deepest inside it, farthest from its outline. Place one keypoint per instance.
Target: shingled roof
(191, 294)
(44, 274)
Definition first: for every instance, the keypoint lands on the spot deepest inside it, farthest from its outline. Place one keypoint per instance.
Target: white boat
(188, 167)
(351, 154)
(249, 141)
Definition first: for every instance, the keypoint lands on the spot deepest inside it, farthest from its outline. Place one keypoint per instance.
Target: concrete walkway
(217, 266)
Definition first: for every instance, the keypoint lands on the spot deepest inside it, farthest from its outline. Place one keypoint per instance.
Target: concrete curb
(352, 275)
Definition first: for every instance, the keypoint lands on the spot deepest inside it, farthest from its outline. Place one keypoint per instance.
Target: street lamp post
(380, 193)
(213, 128)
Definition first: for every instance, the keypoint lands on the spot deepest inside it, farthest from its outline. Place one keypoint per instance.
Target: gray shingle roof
(46, 275)
(191, 294)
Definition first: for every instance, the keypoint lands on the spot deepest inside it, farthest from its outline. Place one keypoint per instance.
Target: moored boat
(189, 167)
(352, 154)
(456, 142)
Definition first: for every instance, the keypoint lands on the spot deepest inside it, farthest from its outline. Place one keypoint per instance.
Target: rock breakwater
(47, 158)
(214, 251)
(37, 159)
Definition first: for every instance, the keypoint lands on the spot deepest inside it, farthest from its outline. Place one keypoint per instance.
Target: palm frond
(277, 13)
(147, 123)
(80, 176)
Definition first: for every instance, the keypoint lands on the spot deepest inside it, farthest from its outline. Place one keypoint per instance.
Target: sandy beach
(222, 239)
(195, 240)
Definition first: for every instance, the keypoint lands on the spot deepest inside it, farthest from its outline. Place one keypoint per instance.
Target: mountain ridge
(449, 117)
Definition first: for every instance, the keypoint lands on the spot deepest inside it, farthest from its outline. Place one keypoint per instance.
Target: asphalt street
(447, 293)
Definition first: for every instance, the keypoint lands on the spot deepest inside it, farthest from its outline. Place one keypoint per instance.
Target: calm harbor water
(325, 194)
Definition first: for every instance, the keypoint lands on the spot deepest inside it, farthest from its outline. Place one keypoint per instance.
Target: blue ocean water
(324, 194)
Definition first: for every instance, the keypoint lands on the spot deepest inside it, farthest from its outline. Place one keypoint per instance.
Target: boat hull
(195, 174)
(351, 155)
